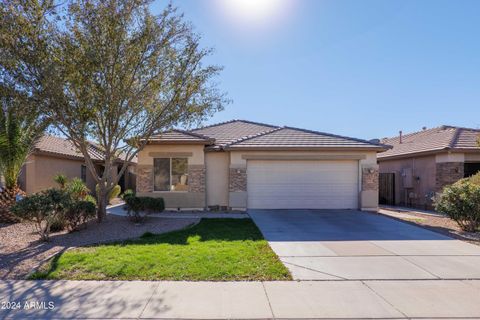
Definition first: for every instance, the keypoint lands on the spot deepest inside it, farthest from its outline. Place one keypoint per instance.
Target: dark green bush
(139, 207)
(77, 212)
(461, 202)
(128, 193)
(42, 209)
(58, 224)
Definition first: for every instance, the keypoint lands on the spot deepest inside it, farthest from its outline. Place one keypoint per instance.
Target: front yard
(214, 249)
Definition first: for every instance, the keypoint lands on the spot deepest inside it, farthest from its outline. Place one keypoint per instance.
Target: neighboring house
(420, 164)
(53, 155)
(242, 164)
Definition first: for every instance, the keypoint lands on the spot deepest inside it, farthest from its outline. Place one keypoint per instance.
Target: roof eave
(170, 142)
(415, 154)
(303, 148)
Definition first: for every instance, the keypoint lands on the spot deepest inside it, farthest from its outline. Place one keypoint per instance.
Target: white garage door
(273, 184)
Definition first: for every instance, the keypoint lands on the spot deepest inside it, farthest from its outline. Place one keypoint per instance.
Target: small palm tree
(61, 179)
(18, 135)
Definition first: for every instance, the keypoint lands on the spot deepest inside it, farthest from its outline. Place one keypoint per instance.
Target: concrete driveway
(354, 245)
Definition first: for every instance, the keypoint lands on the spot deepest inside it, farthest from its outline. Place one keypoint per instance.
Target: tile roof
(60, 146)
(288, 137)
(237, 134)
(432, 140)
(177, 135)
(227, 132)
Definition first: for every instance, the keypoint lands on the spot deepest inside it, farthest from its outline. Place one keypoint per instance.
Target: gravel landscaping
(21, 251)
(434, 222)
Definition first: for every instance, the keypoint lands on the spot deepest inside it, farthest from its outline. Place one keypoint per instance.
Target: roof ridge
(232, 121)
(441, 127)
(336, 136)
(454, 138)
(256, 135)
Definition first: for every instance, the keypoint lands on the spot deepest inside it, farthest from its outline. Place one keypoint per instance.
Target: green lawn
(214, 249)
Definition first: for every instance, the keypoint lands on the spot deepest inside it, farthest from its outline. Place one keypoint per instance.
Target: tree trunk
(102, 204)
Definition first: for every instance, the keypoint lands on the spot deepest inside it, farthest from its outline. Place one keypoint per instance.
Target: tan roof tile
(288, 137)
(228, 132)
(60, 146)
(431, 140)
(175, 136)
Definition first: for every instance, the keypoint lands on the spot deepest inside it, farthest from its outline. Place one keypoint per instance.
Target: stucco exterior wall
(39, 171)
(194, 198)
(217, 171)
(423, 180)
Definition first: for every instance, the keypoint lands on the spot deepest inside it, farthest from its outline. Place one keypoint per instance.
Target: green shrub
(61, 179)
(153, 204)
(58, 224)
(475, 179)
(113, 193)
(139, 207)
(461, 202)
(128, 193)
(77, 189)
(42, 209)
(77, 212)
(91, 199)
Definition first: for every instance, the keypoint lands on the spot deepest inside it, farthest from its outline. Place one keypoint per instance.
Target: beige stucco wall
(424, 168)
(217, 167)
(367, 159)
(39, 171)
(173, 199)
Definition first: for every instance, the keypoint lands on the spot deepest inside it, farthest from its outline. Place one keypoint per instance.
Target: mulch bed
(440, 224)
(21, 251)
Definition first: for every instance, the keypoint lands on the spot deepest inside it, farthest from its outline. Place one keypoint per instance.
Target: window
(471, 168)
(170, 174)
(83, 173)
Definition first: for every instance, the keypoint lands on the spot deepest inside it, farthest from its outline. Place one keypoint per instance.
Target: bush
(58, 224)
(475, 179)
(461, 202)
(113, 193)
(139, 207)
(77, 212)
(61, 179)
(91, 199)
(77, 189)
(42, 209)
(128, 193)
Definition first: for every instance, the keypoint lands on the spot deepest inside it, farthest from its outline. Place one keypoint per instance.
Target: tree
(116, 74)
(21, 61)
(18, 134)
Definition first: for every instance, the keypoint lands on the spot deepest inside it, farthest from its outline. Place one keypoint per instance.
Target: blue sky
(358, 68)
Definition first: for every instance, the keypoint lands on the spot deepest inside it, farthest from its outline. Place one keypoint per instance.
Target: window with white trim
(170, 174)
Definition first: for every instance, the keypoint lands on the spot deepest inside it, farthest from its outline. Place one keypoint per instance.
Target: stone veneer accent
(448, 173)
(237, 180)
(196, 178)
(369, 179)
(144, 178)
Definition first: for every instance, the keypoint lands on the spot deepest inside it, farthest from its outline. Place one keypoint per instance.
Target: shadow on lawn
(206, 230)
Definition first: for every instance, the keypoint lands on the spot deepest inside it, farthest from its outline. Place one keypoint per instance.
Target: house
(242, 164)
(421, 163)
(53, 155)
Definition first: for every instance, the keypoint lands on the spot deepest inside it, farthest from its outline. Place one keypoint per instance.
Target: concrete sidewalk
(240, 300)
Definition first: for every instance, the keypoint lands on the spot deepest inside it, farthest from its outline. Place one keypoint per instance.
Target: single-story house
(242, 164)
(53, 155)
(420, 164)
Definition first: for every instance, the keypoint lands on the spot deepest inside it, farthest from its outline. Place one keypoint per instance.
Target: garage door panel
(302, 184)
